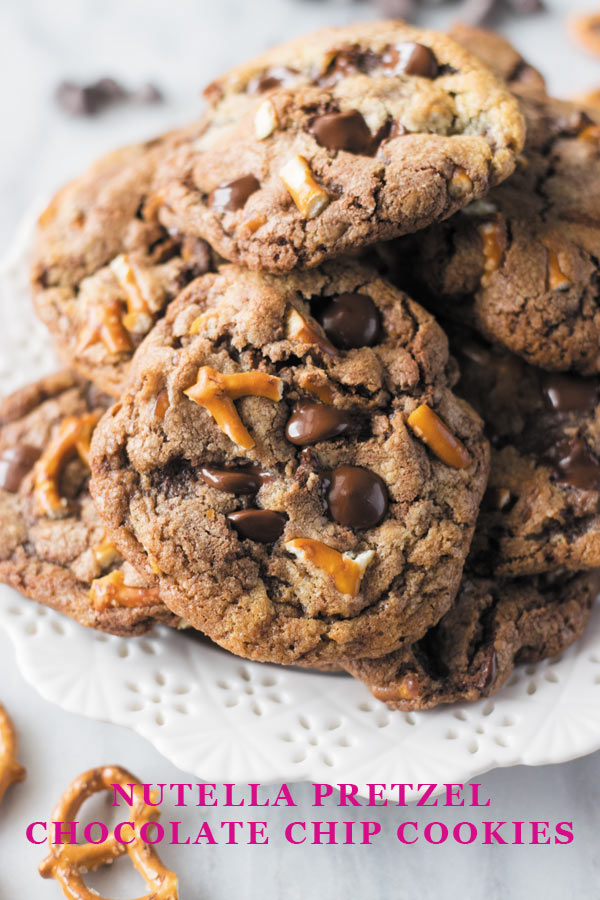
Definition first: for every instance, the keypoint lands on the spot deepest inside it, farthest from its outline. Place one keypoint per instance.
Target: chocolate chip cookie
(290, 462)
(342, 138)
(491, 628)
(503, 59)
(104, 268)
(53, 547)
(521, 265)
(541, 511)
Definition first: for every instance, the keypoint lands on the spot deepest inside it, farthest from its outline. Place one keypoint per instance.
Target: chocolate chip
(574, 464)
(232, 195)
(313, 422)
(567, 393)
(262, 525)
(356, 497)
(409, 58)
(276, 76)
(196, 254)
(244, 480)
(87, 100)
(147, 93)
(350, 321)
(15, 463)
(342, 131)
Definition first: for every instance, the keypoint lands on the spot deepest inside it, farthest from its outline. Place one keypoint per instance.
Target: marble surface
(181, 46)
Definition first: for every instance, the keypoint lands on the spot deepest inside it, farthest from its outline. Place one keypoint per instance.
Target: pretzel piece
(430, 429)
(493, 248)
(68, 862)
(72, 438)
(309, 197)
(216, 392)
(104, 325)
(111, 591)
(138, 318)
(298, 329)
(347, 571)
(10, 770)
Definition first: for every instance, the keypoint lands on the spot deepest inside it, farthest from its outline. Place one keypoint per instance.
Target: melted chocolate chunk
(350, 321)
(356, 497)
(343, 131)
(243, 480)
(276, 76)
(15, 463)
(232, 195)
(574, 464)
(410, 58)
(568, 393)
(313, 422)
(262, 525)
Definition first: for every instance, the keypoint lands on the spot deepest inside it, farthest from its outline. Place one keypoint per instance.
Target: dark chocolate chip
(262, 525)
(350, 321)
(244, 480)
(15, 463)
(196, 254)
(276, 76)
(232, 195)
(148, 93)
(409, 58)
(568, 393)
(343, 131)
(356, 497)
(313, 422)
(574, 464)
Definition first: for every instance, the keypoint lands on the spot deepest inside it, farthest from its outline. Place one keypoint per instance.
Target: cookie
(521, 265)
(270, 463)
(541, 511)
(104, 268)
(499, 55)
(53, 547)
(342, 138)
(491, 628)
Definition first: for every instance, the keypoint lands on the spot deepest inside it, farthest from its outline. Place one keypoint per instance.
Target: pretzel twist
(72, 438)
(10, 770)
(67, 863)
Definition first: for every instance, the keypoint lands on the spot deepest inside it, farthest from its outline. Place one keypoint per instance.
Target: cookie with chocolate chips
(342, 138)
(541, 511)
(492, 627)
(53, 547)
(104, 268)
(291, 463)
(521, 265)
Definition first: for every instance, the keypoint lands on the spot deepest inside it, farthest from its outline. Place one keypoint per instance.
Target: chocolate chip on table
(232, 195)
(262, 525)
(350, 321)
(242, 480)
(88, 100)
(312, 422)
(15, 463)
(343, 131)
(568, 393)
(356, 497)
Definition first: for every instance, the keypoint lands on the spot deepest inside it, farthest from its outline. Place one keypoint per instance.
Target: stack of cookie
(264, 433)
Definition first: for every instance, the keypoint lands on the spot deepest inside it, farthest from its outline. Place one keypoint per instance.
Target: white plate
(225, 719)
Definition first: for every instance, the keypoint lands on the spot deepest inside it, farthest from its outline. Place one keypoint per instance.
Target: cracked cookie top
(53, 547)
(541, 511)
(522, 265)
(492, 627)
(337, 140)
(104, 268)
(292, 466)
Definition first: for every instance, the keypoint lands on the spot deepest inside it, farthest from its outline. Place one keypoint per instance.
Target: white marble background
(181, 45)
